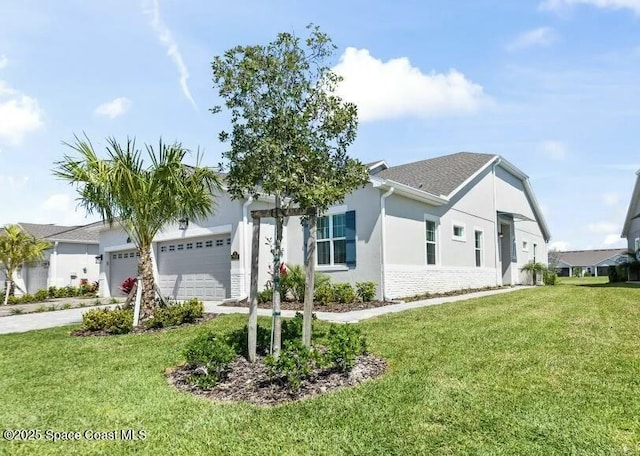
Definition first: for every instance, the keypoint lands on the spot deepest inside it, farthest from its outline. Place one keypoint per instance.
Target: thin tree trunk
(277, 319)
(253, 292)
(136, 307)
(309, 283)
(148, 288)
(7, 290)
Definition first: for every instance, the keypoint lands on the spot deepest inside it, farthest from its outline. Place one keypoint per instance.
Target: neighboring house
(460, 221)
(631, 228)
(70, 259)
(587, 262)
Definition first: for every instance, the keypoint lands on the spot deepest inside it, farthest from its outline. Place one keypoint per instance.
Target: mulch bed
(318, 307)
(141, 329)
(249, 381)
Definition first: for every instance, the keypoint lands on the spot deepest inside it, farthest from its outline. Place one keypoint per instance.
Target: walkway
(29, 322)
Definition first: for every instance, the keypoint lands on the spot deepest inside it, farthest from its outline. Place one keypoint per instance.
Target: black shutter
(350, 234)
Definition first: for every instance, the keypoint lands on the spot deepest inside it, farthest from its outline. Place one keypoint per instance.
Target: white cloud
(13, 183)
(555, 150)
(542, 36)
(61, 208)
(392, 89)
(164, 35)
(561, 5)
(4, 61)
(611, 198)
(612, 239)
(602, 227)
(114, 108)
(19, 115)
(561, 246)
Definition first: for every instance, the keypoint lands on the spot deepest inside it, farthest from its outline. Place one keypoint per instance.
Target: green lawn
(553, 370)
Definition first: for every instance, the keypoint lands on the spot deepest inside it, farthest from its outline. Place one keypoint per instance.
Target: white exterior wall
(77, 260)
(366, 203)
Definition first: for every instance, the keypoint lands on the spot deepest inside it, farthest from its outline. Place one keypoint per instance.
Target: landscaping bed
(318, 306)
(250, 382)
(142, 328)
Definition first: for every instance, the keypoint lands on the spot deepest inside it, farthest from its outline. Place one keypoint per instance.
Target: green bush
(16, 311)
(117, 321)
(41, 295)
(294, 280)
(52, 292)
(366, 290)
(238, 339)
(549, 277)
(177, 314)
(344, 344)
(66, 305)
(265, 295)
(344, 293)
(292, 328)
(41, 309)
(324, 294)
(295, 363)
(211, 355)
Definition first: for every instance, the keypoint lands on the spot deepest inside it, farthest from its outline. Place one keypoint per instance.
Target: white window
(198, 245)
(189, 245)
(163, 248)
(208, 244)
(331, 244)
(219, 242)
(228, 241)
(478, 248)
(172, 248)
(431, 236)
(525, 246)
(458, 232)
(180, 246)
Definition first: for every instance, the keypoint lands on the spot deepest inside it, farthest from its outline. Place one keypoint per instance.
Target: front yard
(552, 370)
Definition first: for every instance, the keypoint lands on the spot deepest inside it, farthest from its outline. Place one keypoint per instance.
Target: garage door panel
(196, 268)
(122, 265)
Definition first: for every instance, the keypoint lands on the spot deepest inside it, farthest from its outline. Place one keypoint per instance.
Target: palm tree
(18, 247)
(533, 268)
(142, 199)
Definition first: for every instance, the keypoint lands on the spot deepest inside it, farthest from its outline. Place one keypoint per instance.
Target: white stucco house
(586, 262)
(631, 227)
(459, 221)
(70, 259)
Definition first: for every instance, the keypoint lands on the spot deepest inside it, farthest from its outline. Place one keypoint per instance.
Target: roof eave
(409, 192)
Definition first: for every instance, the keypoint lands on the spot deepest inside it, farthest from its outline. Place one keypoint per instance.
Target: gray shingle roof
(440, 175)
(50, 232)
(585, 257)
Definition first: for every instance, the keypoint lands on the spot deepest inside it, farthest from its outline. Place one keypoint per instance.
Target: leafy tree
(290, 133)
(534, 268)
(142, 199)
(18, 247)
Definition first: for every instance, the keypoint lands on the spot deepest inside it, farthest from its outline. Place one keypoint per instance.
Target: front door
(505, 249)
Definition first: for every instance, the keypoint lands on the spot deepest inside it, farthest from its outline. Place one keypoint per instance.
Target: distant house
(586, 262)
(72, 257)
(459, 221)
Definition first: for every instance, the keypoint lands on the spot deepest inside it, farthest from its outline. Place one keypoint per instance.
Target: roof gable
(586, 257)
(51, 232)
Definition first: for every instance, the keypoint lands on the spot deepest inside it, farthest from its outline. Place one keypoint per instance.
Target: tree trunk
(148, 284)
(277, 319)
(253, 292)
(309, 283)
(7, 290)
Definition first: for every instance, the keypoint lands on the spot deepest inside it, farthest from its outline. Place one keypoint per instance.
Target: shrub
(41, 295)
(66, 305)
(26, 298)
(16, 311)
(265, 295)
(238, 340)
(127, 285)
(210, 355)
(324, 294)
(366, 290)
(295, 281)
(51, 308)
(52, 291)
(292, 328)
(344, 293)
(41, 309)
(117, 321)
(177, 314)
(13, 299)
(295, 363)
(549, 277)
(344, 344)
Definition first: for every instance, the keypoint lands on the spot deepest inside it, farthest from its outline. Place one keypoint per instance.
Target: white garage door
(37, 277)
(122, 265)
(198, 267)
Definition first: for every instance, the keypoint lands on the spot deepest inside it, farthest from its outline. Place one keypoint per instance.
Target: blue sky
(550, 85)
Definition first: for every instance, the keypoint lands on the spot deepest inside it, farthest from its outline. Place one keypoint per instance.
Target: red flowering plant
(127, 285)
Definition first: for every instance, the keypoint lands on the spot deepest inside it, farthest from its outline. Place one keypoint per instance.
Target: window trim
(481, 248)
(436, 220)
(525, 245)
(332, 265)
(461, 238)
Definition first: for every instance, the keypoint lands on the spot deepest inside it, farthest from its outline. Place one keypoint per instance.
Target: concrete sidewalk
(29, 322)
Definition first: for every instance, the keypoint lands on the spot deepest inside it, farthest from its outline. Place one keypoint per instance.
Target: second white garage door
(199, 267)
(122, 265)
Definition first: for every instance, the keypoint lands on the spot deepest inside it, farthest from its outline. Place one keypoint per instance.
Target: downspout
(497, 226)
(243, 247)
(383, 242)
